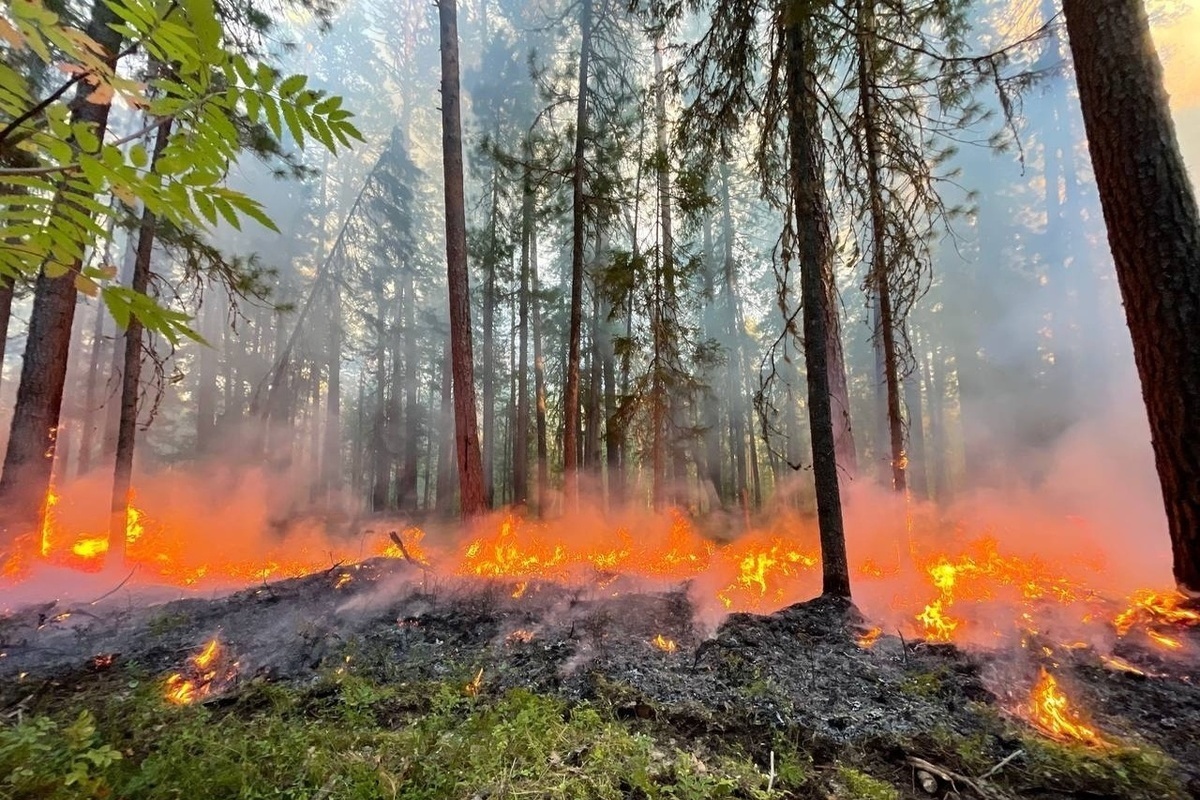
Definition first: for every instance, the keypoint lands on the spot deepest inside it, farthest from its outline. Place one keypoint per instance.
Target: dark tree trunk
(472, 500)
(131, 376)
(489, 348)
(406, 491)
(539, 380)
(1154, 232)
(520, 464)
(578, 221)
(29, 459)
(814, 253)
(878, 281)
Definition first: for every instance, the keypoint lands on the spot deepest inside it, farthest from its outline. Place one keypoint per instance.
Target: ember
(1051, 713)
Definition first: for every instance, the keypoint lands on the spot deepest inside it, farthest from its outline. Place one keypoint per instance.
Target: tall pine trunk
(472, 500)
(489, 346)
(878, 282)
(29, 459)
(814, 252)
(539, 379)
(1154, 233)
(578, 221)
(520, 465)
(131, 376)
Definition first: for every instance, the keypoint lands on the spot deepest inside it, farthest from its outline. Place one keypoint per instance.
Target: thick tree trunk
(29, 459)
(131, 376)
(1154, 232)
(88, 426)
(578, 222)
(472, 500)
(814, 253)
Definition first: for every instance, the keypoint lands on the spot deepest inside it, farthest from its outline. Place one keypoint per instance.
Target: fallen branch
(115, 589)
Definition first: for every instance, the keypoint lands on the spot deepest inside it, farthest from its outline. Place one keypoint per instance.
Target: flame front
(1050, 712)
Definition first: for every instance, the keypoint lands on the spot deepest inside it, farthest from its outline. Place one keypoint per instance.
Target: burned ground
(924, 718)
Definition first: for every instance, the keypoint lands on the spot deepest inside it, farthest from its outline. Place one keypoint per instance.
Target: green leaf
(292, 85)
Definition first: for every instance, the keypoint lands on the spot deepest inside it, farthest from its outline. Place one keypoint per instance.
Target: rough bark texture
(6, 300)
(29, 460)
(578, 221)
(1154, 232)
(539, 380)
(814, 253)
(470, 464)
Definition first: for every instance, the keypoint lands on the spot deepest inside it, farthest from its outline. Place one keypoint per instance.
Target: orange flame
(1050, 712)
(663, 643)
(867, 639)
(205, 673)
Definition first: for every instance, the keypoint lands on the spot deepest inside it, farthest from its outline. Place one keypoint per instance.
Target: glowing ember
(206, 672)
(519, 637)
(48, 515)
(663, 643)
(520, 590)
(1151, 610)
(1051, 713)
(342, 580)
(868, 639)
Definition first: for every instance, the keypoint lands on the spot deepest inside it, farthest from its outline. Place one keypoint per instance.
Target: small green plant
(1138, 773)
(43, 760)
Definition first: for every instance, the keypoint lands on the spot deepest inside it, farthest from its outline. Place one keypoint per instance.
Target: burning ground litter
(816, 673)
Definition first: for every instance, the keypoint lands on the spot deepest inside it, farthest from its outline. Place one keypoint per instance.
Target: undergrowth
(347, 738)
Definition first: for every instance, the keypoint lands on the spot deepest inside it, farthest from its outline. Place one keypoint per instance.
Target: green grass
(349, 738)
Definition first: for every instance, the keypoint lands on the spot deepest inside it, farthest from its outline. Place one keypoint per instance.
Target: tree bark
(6, 301)
(472, 500)
(539, 379)
(29, 458)
(489, 347)
(1154, 233)
(578, 221)
(131, 376)
(814, 252)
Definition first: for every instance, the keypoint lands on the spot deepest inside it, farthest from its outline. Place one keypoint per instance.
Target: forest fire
(207, 672)
(973, 593)
(1051, 712)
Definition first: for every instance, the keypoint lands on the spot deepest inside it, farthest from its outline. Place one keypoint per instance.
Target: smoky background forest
(322, 401)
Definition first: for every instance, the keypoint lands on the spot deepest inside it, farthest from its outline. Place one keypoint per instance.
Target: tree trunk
(814, 252)
(472, 500)
(29, 459)
(446, 452)
(131, 376)
(520, 465)
(539, 379)
(1154, 233)
(578, 221)
(406, 490)
(489, 348)
(332, 457)
(206, 380)
(880, 262)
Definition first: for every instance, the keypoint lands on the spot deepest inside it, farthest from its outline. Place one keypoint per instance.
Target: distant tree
(1154, 232)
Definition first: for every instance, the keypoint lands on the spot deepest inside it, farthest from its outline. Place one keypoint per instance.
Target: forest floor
(377, 681)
